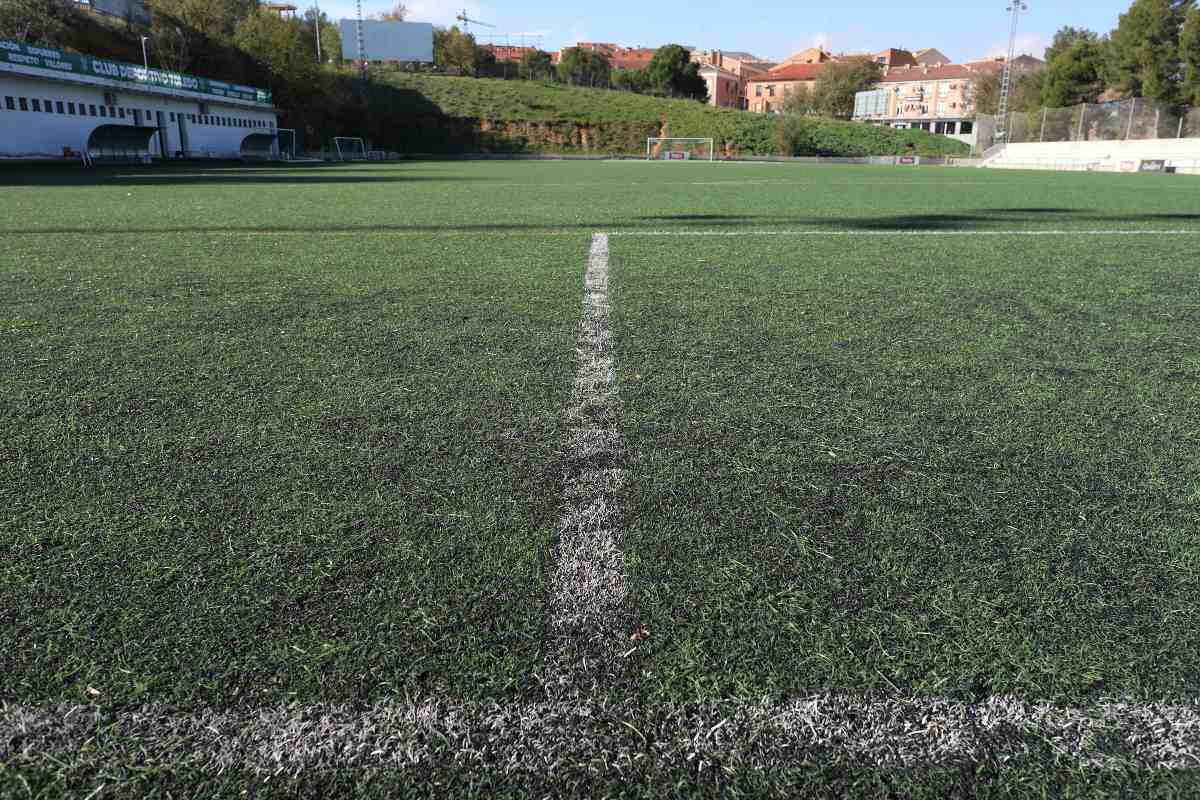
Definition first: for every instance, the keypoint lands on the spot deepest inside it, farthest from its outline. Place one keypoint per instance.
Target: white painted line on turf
(636, 232)
(606, 737)
(588, 588)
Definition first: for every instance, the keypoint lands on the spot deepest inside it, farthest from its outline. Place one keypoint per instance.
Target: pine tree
(1075, 76)
(1189, 52)
(1145, 49)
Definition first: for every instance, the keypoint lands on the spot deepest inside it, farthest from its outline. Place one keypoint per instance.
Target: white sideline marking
(606, 737)
(588, 588)
(635, 232)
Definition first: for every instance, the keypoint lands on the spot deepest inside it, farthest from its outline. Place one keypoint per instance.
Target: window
(25, 104)
(122, 112)
(70, 108)
(967, 126)
(10, 103)
(104, 111)
(172, 116)
(48, 106)
(37, 104)
(771, 91)
(58, 106)
(92, 110)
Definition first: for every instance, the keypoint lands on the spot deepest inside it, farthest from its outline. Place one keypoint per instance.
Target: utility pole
(145, 58)
(317, 18)
(1006, 80)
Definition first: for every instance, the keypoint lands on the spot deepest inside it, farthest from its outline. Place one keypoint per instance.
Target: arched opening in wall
(121, 143)
(258, 147)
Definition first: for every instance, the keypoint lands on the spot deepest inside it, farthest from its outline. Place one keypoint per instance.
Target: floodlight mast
(1006, 79)
(362, 51)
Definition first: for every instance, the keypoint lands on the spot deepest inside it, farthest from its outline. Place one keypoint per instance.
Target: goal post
(350, 148)
(286, 138)
(678, 148)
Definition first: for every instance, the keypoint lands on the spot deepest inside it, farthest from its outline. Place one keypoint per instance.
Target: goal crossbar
(656, 143)
(350, 148)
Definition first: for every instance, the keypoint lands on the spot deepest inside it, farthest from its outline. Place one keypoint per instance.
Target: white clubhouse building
(56, 105)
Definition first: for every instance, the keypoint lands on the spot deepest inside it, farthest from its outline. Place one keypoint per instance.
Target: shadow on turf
(196, 175)
(992, 220)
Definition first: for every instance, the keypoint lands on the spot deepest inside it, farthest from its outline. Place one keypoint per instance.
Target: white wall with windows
(62, 118)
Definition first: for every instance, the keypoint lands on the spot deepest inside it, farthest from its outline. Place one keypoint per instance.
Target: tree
(672, 72)
(281, 45)
(397, 14)
(536, 65)
(801, 100)
(631, 80)
(1075, 76)
(1189, 52)
(36, 21)
(1145, 49)
(1065, 39)
(172, 46)
(1025, 94)
(331, 38)
(581, 67)
(454, 50)
(839, 81)
(200, 19)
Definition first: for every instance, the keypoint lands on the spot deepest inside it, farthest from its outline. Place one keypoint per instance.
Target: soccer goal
(679, 149)
(350, 148)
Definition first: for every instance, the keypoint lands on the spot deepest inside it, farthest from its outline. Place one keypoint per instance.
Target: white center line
(588, 591)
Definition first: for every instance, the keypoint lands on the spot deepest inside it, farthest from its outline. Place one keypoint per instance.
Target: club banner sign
(1153, 165)
(74, 64)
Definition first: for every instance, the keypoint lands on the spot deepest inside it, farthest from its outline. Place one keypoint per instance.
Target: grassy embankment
(454, 113)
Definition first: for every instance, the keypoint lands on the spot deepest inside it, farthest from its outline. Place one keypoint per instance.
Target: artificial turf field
(908, 496)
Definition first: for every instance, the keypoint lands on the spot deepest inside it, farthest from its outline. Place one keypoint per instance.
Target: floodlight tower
(1015, 8)
(362, 50)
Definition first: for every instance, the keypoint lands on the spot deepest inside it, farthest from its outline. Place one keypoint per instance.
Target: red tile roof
(902, 75)
(791, 72)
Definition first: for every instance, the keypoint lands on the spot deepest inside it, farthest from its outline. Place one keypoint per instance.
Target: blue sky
(770, 28)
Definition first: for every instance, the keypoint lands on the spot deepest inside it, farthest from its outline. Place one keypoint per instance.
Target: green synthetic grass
(280, 434)
(954, 467)
(245, 469)
(537, 198)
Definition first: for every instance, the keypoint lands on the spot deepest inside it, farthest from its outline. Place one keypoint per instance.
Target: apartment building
(727, 75)
(936, 99)
(931, 57)
(766, 93)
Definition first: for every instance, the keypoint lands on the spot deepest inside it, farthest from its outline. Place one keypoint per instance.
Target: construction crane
(466, 21)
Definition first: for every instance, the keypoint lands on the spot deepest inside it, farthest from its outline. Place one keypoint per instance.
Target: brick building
(504, 52)
(727, 75)
(766, 93)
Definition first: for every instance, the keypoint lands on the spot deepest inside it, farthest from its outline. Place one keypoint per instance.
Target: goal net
(350, 148)
(679, 149)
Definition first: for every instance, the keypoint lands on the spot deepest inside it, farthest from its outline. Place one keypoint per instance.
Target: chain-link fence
(1125, 119)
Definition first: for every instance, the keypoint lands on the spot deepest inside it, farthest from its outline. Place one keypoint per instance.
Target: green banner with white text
(73, 64)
